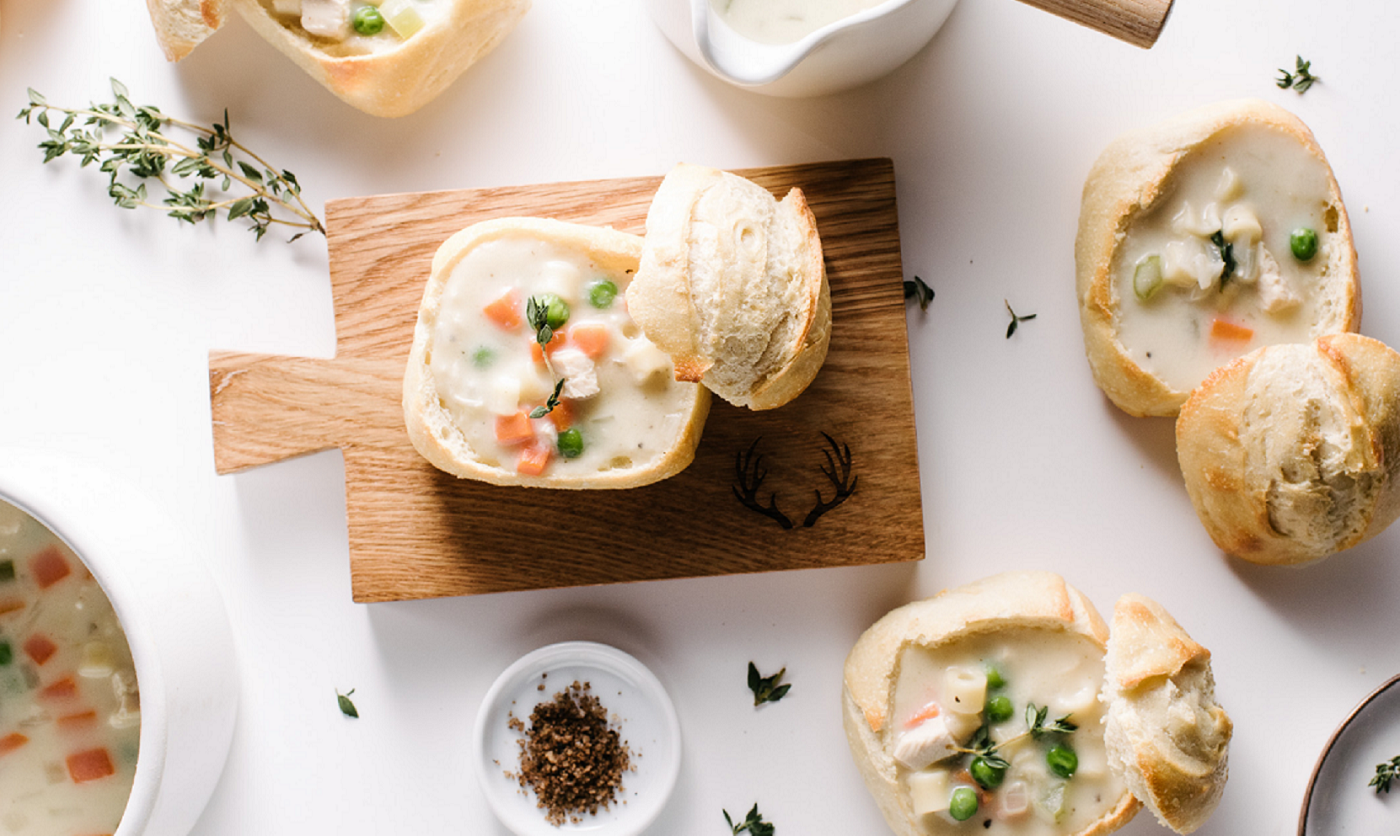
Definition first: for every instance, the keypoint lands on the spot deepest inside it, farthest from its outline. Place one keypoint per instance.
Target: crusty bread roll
(399, 78)
(732, 286)
(1291, 453)
(182, 25)
(1165, 730)
(1037, 606)
(476, 373)
(1248, 172)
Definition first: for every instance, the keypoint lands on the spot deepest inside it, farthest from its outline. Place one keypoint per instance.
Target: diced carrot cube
(39, 648)
(562, 415)
(75, 721)
(9, 605)
(505, 311)
(11, 742)
(63, 689)
(1224, 329)
(556, 342)
(534, 460)
(514, 429)
(49, 567)
(592, 338)
(90, 765)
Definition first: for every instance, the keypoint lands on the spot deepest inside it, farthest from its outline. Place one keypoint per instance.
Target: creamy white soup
(617, 404)
(357, 27)
(785, 21)
(1003, 734)
(1228, 259)
(70, 711)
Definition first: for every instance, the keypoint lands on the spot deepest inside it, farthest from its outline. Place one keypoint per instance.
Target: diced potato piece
(402, 16)
(503, 395)
(287, 7)
(644, 359)
(1230, 186)
(558, 277)
(929, 791)
(1240, 224)
(97, 660)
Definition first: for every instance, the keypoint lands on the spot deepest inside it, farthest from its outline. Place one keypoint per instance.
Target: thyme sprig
(766, 688)
(1300, 79)
(752, 824)
(919, 291)
(1038, 724)
(1227, 255)
(1386, 771)
(221, 166)
(549, 405)
(1016, 319)
(537, 314)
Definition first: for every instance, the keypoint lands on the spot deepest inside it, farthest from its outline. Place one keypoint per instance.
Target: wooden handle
(1138, 22)
(268, 408)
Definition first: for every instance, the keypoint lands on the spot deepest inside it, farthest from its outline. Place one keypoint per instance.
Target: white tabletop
(106, 318)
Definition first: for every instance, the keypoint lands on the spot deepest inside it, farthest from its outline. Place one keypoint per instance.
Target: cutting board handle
(1138, 22)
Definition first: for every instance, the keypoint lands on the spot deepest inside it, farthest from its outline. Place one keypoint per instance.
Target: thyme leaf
(1016, 319)
(752, 824)
(549, 405)
(1227, 254)
(1300, 79)
(346, 707)
(150, 145)
(1386, 771)
(766, 688)
(919, 291)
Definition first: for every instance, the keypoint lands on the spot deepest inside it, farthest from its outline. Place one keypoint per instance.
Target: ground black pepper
(571, 756)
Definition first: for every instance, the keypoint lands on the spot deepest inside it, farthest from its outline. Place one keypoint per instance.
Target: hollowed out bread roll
(1185, 257)
(732, 286)
(1047, 642)
(384, 75)
(1165, 731)
(476, 371)
(182, 25)
(1291, 453)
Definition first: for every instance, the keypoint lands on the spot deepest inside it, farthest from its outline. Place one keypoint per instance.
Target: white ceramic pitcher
(864, 46)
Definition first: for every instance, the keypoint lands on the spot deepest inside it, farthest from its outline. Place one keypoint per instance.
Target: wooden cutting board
(416, 532)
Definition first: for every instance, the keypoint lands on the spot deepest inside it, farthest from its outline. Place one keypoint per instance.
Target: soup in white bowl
(70, 712)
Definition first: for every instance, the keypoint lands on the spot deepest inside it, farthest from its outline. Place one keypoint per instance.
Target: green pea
(570, 444)
(963, 805)
(7, 570)
(368, 21)
(7, 653)
(1303, 242)
(994, 678)
(602, 293)
(1062, 761)
(986, 774)
(483, 357)
(998, 709)
(556, 311)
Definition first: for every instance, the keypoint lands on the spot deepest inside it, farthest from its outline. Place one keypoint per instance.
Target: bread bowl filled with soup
(1007, 706)
(118, 682)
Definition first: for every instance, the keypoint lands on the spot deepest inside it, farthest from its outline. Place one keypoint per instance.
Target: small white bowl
(174, 621)
(628, 691)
